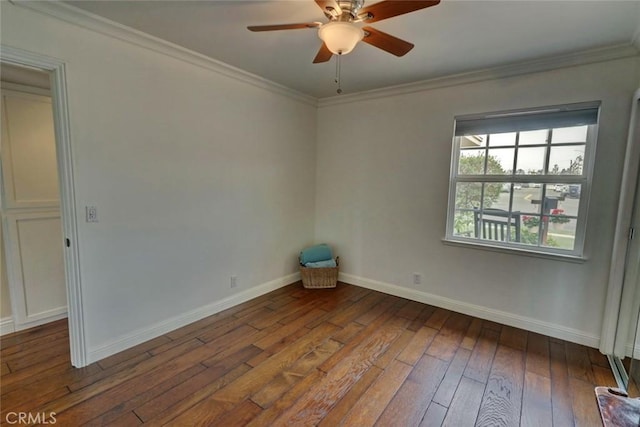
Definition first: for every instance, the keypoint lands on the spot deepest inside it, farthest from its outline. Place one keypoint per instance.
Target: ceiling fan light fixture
(340, 37)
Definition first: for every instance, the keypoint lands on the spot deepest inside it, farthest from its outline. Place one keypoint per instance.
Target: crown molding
(121, 32)
(107, 27)
(603, 54)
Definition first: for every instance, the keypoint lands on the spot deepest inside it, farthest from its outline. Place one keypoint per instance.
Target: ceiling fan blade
(386, 42)
(331, 8)
(284, 26)
(390, 8)
(324, 54)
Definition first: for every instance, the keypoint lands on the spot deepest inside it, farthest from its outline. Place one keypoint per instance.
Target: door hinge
(67, 242)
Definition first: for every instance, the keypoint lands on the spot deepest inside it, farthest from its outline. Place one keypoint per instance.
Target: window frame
(584, 180)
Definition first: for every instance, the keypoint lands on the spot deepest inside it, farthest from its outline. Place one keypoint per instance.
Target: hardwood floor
(345, 356)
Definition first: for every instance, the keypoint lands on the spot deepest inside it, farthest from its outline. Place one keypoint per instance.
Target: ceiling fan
(341, 34)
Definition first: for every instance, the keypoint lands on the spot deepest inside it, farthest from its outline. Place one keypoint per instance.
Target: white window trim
(585, 180)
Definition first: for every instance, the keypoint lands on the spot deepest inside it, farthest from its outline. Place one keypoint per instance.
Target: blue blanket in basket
(322, 264)
(321, 252)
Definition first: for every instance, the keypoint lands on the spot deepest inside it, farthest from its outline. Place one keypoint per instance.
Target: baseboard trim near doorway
(7, 326)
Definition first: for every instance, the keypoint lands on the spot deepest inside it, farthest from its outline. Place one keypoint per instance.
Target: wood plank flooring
(346, 356)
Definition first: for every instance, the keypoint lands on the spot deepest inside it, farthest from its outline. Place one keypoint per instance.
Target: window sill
(515, 251)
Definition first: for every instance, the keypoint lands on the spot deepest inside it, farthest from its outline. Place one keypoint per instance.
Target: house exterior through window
(521, 179)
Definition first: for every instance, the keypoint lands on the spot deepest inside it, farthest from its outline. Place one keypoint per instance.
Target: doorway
(33, 267)
(56, 69)
(627, 341)
(625, 358)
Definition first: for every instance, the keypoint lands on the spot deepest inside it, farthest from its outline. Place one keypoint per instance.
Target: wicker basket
(320, 278)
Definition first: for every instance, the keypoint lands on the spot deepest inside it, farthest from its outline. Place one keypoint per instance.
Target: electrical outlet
(234, 281)
(92, 213)
(417, 278)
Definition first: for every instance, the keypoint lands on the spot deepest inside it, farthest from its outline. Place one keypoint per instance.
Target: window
(521, 179)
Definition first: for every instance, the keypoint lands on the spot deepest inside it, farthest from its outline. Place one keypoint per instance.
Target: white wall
(382, 190)
(196, 176)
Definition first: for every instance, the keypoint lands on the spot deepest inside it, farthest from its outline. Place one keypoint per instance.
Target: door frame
(57, 68)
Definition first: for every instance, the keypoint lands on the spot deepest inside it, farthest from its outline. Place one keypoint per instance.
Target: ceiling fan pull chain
(338, 72)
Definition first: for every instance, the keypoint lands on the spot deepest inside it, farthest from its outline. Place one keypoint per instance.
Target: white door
(30, 210)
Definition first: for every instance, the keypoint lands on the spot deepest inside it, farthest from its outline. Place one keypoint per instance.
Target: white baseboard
(145, 334)
(503, 317)
(41, 318)
(7, 326)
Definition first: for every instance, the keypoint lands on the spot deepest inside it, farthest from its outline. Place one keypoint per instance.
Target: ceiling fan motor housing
(350, 9)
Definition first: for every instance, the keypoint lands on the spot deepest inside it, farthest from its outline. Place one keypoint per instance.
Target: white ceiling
(450, 38)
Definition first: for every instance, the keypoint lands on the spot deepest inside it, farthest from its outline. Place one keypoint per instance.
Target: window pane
(571, 134)
(463, 224)
(500, 161)
(530, 160)
(467, 141)
(497, 225)
(558, 190)
(571, 200)
(567, 160)
(530, 229)
(561, 233)
(559, 201)
(533, 137)
(471, 162)
(495, 197)
(468, 195)
(502, 139)
(526, 198)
